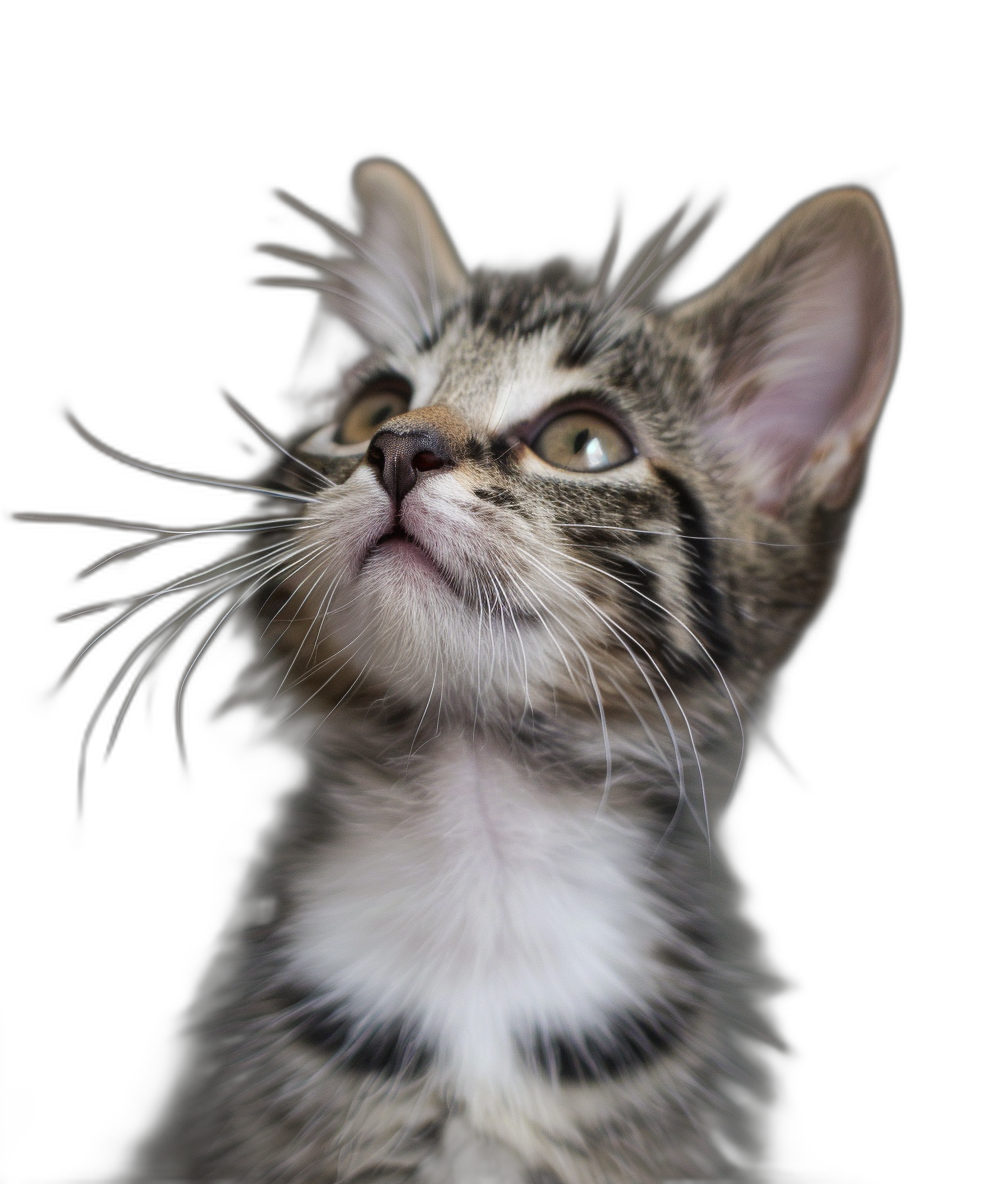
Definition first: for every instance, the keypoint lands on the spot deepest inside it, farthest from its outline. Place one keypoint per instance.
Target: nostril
(375, 456)
(425, 462)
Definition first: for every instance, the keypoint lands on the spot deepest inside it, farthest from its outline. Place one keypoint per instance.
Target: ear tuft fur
(402, 271)
(407, 237)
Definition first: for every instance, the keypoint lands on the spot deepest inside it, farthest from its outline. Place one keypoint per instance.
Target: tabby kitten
(528, 582)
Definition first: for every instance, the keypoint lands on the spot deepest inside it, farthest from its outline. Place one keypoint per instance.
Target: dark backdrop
(142, 188)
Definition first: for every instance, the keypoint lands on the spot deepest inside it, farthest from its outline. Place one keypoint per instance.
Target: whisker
(201, 650)
(423, 716)
(682, 624)
(193, 580)
(131, 552)
(617, 629)
(590, 670)
(608, 259)
(506, 601)
(193, 607)
(342, 699)
(304, 599)
(258, 428)
(641, 266)
(319, 548)
(321, 615)
(654, 265)
(179, 474)
(700, 538)
(315, 666)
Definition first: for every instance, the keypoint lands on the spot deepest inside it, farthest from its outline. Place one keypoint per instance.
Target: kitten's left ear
(802, 337)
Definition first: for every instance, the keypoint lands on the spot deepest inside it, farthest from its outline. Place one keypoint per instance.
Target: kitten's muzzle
(399, 458)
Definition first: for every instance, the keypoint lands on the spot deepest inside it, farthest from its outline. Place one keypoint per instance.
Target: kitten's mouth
(397, 533)
(399, 541)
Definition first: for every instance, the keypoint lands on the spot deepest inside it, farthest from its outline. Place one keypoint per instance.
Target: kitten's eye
(583, 442)
(381, 400)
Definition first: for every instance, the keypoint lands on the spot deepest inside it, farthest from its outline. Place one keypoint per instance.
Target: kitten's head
(545, 494)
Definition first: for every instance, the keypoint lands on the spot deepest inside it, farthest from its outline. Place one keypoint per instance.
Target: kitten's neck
(488, 909)
(483, 903)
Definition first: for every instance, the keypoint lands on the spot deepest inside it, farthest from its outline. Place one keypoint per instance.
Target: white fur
(479, 904)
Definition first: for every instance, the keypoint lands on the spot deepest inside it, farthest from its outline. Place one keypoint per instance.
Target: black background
(142, 181)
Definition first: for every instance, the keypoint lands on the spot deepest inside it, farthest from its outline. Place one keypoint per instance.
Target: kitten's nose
(399, 457)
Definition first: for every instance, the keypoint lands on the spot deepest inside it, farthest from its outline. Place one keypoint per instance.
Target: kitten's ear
(402, 270)
(802, 337)
(404, 231)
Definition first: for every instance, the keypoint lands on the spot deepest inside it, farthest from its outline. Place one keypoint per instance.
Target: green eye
(387, 398)
(583, 443)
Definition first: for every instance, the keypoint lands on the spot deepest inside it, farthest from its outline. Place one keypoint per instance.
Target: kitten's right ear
(801, 339)
(405, 271)
(404, 229)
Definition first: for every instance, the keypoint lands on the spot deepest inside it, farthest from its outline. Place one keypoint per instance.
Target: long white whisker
(699, 538)
(314, 667)
(675, 253)
(271, 574)
(261, 431)
(364, 669)
(647, 680)
(131, 552)
(607, 261)
(155, 528)
(179, 618)
(196, 579)
(315, 549)
(323, 612)
(304, 600)
(506, 602)
(179, 474)
(616, 629)
(682, 624)
(643, 262)
(590, 670)
(702, 648)
(322, 686)
(423, 716)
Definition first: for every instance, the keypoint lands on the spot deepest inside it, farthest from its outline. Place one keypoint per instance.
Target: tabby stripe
(389, 1048)
(628, 1041)
(704, 592)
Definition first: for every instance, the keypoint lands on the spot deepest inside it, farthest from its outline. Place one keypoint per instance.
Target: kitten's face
(544, 500)
(536, 557)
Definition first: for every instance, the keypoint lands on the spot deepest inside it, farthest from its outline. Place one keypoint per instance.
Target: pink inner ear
(807, 376)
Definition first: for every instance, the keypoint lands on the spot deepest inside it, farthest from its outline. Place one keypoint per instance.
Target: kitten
(528, 582)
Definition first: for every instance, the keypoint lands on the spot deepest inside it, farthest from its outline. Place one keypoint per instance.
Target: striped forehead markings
(518, 381)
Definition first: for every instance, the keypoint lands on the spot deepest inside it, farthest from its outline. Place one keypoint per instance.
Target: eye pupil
(581, 439)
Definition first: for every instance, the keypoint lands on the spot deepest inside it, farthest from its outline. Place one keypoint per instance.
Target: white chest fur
(480, 906)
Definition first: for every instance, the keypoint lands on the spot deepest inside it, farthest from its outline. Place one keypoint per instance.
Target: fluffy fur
(494, 938)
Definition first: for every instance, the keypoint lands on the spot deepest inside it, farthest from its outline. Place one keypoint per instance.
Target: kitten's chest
(482, 908)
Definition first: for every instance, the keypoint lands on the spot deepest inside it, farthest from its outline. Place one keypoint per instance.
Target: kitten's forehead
(498, 383)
